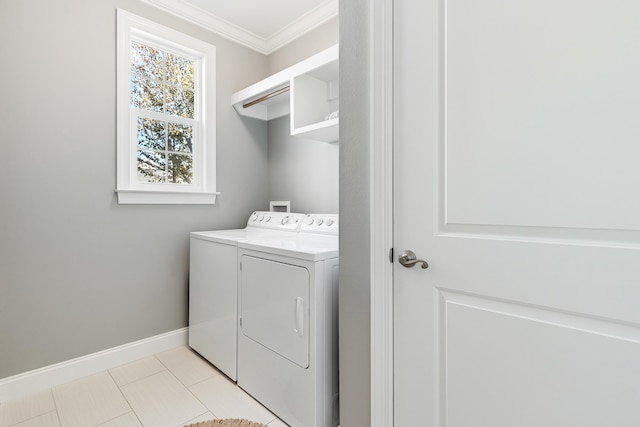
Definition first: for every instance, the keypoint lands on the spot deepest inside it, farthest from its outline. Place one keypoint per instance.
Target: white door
(517, 177)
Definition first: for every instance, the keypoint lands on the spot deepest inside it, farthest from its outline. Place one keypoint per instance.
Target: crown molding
(202, 18)
(303, 25)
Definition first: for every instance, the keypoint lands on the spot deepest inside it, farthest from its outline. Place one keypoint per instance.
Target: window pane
(180, 102)
(180, 169)
(151, 134)
(147, 61)
(146, 94)
(180, 138)
(162, 104)
(152, 166)
(180, 71)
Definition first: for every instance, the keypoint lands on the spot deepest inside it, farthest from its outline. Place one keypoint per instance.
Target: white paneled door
(517, 178)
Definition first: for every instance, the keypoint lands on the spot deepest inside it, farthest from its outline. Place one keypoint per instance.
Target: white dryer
(288, 322)
(213, 290)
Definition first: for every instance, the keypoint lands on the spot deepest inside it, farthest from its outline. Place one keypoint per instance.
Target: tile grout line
(225, 377)
(34, 417)
(196, 417)
(259, 403)
(190, 392)
(55, 405)
(203, 404)
(162, 363)
(167, 369)
(137, 379)
(215, 374)
(125, 399)
(176, 376)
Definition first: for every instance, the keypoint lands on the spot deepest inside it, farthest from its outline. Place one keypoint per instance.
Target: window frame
(129, 189)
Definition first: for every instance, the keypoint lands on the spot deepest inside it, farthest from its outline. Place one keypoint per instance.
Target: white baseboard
(49, 376)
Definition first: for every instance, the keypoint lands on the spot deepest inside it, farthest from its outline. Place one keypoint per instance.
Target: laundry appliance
(288, 322)
(213, 285)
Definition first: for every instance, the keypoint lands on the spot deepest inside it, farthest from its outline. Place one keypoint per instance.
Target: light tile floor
(169, 389)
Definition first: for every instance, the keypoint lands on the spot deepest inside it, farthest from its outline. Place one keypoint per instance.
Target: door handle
(408, 259)
(298, 316)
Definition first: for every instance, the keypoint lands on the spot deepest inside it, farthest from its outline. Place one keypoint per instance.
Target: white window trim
(203, 189)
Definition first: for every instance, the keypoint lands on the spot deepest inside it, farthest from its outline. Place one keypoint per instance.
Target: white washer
(213, 285)
(288, 322)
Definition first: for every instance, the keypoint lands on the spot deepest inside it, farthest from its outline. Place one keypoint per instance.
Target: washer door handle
(298, 316)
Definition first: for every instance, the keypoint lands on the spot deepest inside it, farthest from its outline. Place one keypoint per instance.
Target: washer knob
(267, 219)
(254, 217)
(319, 221)
(261, 218)
(284, 220)
(329, 222)
(310, 220)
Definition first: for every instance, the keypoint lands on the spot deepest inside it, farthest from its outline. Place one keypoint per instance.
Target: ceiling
(262, 25)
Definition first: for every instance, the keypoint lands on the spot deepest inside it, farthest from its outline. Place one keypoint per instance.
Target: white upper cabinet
(307, 90)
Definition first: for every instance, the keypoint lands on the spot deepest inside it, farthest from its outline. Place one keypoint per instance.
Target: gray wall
(303, 171)
(317, 40)
(355, 328)
(78, 272)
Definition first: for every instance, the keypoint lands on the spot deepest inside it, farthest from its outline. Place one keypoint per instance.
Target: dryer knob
(284, 220)
(261, 218)
(267, 219)
(254, 217)
(329, 222)
(319, 221)
(310, 221)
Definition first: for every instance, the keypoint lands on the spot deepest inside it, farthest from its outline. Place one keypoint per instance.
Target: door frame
(381, 211)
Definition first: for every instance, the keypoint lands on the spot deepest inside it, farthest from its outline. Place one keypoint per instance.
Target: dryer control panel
(320, 224)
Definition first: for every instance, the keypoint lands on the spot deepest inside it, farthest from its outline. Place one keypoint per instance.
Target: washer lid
(312, 247)
(231, 237)
(259, 224)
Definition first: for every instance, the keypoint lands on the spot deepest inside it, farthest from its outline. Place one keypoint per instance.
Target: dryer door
(274, 307)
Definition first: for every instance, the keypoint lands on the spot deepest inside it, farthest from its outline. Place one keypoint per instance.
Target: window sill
(141, 197)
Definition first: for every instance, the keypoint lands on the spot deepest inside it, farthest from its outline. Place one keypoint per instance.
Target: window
(166, 115)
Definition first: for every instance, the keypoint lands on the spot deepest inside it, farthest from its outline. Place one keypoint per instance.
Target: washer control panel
(276, 220)
(320, 224)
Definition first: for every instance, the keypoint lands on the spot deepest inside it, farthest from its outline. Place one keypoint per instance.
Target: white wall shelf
(312, 97)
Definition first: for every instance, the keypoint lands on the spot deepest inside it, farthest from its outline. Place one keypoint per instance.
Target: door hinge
(240, 321)
(391, 255)
(240, 266)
